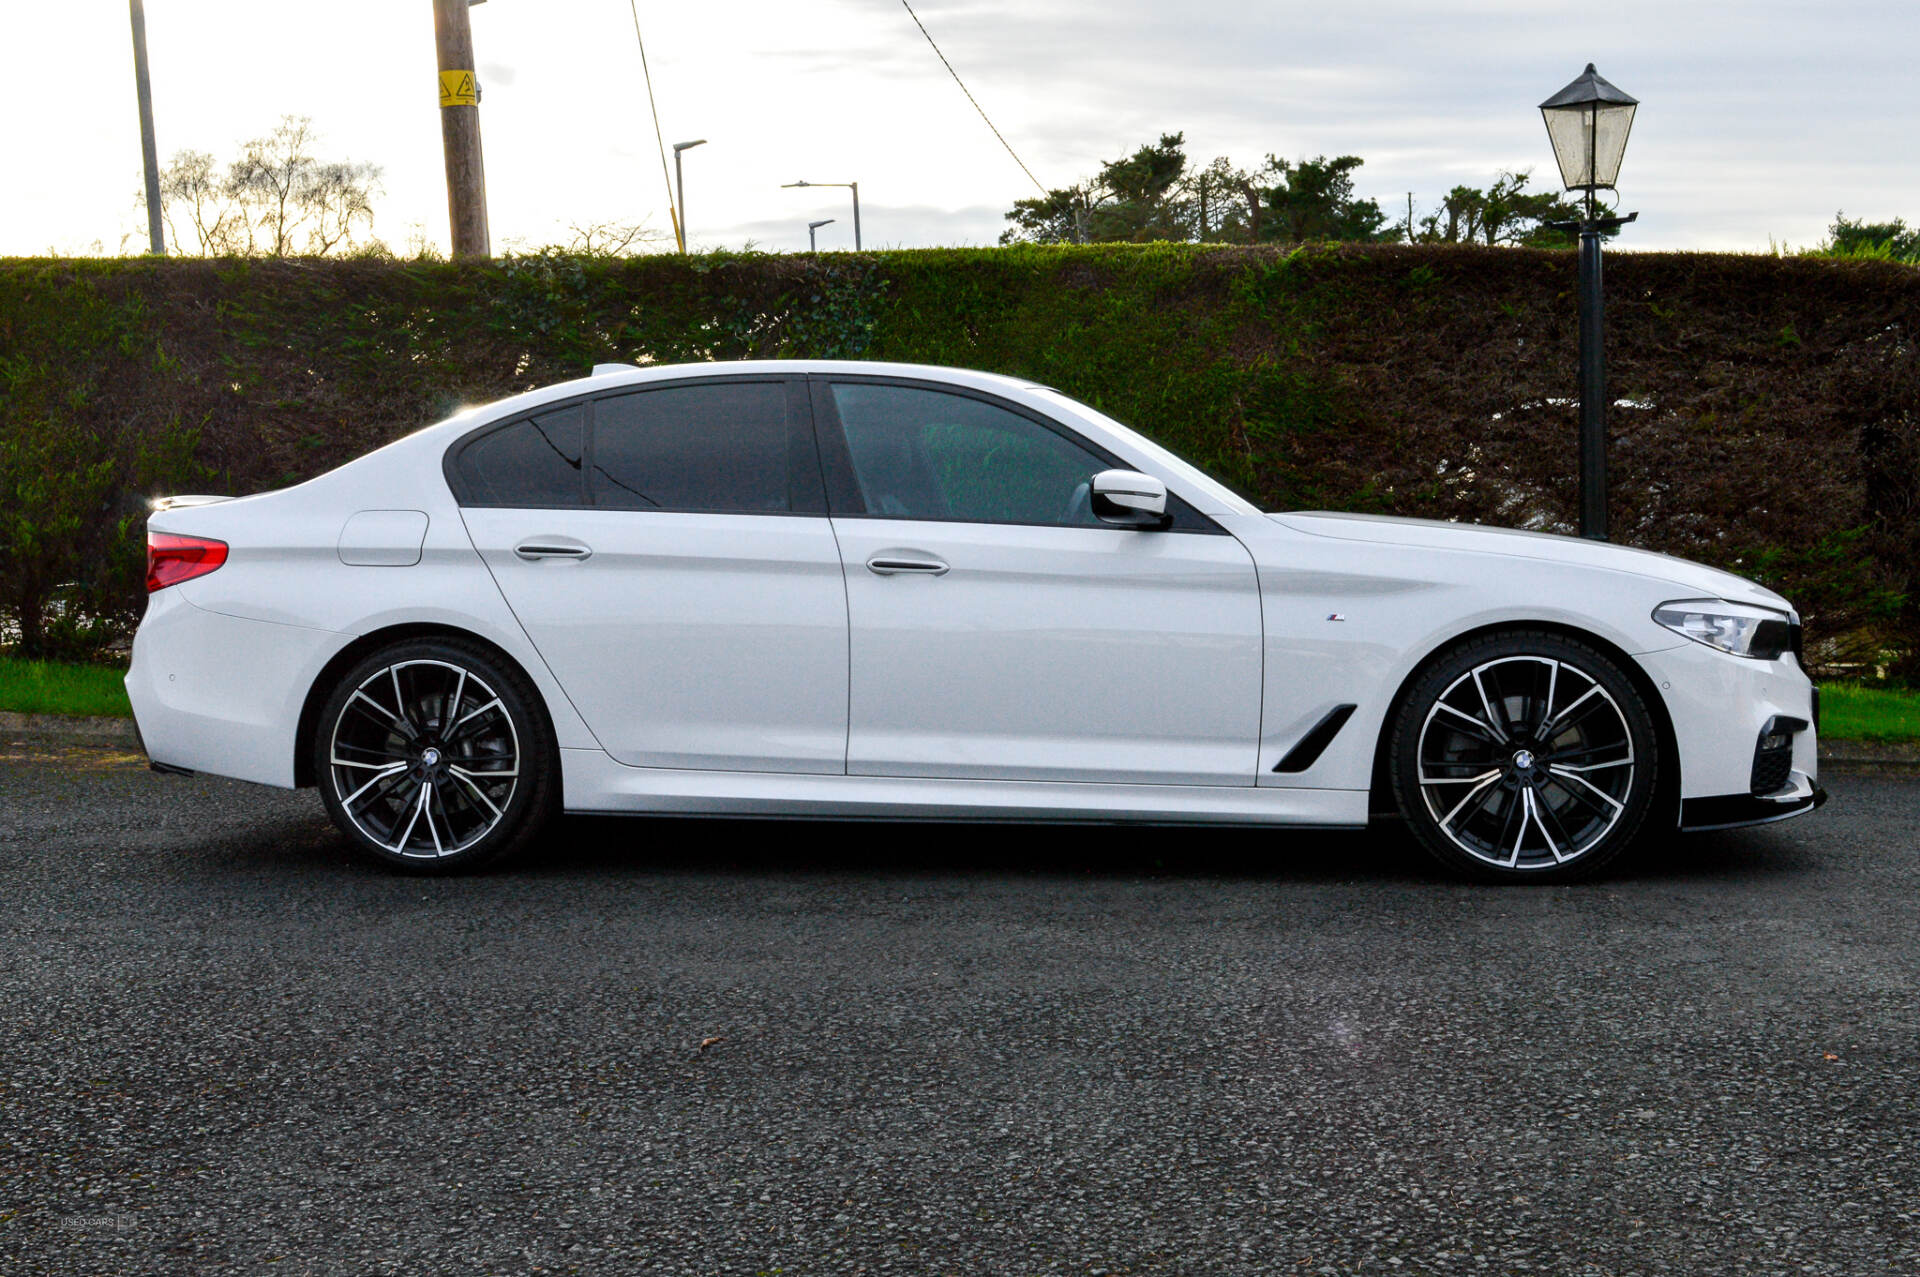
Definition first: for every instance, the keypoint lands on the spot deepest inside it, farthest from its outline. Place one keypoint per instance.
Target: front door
(999, 631)
(668, 552)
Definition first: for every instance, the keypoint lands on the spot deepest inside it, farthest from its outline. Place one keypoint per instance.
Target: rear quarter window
(535, 462)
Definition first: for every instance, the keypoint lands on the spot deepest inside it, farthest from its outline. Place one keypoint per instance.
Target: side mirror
(1129, 499)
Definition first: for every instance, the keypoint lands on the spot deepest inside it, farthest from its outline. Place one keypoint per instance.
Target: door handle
(890, 565)
(531, 550)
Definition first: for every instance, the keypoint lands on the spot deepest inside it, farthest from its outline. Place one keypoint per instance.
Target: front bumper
(1721, 707)
(1729, 811)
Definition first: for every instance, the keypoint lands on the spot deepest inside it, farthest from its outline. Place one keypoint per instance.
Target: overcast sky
(1758, 121)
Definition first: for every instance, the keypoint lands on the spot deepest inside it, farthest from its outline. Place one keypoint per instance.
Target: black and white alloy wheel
(1524, 755)
(430, 755)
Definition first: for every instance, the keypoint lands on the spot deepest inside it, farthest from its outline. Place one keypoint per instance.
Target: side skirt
(596, 783)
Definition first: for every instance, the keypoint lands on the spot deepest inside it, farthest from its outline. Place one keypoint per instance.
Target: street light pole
(680, 192)
(787, 186)
(143, 86)
(811, 228)
(1593, 388)
(1588, 122)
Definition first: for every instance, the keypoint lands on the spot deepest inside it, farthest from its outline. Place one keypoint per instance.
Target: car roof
(612, 376)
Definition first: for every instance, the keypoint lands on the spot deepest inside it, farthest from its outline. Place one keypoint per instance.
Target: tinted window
(535, 462)
(922, 454)
(714, 447)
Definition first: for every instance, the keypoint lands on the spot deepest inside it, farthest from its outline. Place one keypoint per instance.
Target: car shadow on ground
(1384, 853)
(613, 849)
(277, 832)
(291, 835)
(924, 848)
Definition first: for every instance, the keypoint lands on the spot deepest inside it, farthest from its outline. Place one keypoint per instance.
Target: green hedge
(1771, 424)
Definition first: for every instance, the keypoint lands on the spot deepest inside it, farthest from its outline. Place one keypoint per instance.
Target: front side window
(720, 448)
(925, 454)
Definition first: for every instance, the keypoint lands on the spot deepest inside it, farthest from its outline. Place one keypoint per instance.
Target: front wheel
(1524, 755)
(432, 755)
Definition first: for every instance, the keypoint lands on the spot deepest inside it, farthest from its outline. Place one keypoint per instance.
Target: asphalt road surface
(727, 1047)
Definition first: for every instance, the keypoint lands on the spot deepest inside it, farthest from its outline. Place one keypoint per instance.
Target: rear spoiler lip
(160, 505)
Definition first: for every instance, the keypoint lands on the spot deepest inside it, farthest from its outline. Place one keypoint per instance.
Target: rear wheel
(432, 755)
(1525, 755)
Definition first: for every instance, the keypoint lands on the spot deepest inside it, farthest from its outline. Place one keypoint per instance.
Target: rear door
(667, 550)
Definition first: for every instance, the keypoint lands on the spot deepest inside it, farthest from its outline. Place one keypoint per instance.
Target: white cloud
(1760, 118)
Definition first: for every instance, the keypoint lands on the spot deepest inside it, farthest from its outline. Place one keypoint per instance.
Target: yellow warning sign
(458, 89)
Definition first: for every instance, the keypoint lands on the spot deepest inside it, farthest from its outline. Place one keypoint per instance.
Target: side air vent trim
(1315, 742)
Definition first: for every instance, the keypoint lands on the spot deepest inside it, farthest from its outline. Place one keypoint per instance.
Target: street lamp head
(814, 226)
(1588, 122)
(688, 146)
(854, 187)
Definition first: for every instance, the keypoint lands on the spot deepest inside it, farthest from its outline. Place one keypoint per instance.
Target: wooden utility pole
(460, 129)
(143, 87)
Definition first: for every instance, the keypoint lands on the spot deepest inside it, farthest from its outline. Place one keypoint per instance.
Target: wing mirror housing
(1129, 499)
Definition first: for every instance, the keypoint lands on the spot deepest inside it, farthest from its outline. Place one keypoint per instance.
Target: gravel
(715, 1047)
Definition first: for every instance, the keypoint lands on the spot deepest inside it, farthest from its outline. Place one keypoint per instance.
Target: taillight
(172, 559)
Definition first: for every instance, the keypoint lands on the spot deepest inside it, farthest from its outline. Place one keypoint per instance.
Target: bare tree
(609, 238)
(193, 191)
(276, 200)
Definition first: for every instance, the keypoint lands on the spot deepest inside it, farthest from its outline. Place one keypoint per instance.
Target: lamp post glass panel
(1588, 122)
(811, 228)
(680, 192)
(854, 186)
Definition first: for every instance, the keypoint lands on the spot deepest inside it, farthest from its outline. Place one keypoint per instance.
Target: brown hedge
(1767, 417)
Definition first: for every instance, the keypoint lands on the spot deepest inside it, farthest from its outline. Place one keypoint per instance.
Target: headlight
(1739, 628)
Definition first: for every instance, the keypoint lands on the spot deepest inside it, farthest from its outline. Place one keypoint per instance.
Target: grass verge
(1851, 712)
(1847, 711)
(49, 687)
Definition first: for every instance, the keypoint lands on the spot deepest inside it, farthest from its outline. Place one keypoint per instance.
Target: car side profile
(816, 588)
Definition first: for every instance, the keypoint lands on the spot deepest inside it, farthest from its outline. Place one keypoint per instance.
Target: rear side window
(533, 463)
(721, 447)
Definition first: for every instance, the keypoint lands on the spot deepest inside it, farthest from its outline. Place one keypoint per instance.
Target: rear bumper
(153, 765)
(220, 694)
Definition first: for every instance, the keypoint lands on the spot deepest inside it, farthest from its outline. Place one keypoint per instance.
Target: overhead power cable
(976, 102)
(658, 137)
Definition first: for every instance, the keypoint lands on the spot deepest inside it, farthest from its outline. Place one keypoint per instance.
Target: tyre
(435, 755)
(1524, 756)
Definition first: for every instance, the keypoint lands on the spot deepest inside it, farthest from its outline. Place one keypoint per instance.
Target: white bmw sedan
(856, 589)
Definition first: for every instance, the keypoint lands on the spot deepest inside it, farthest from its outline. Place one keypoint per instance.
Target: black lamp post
(1588, 122)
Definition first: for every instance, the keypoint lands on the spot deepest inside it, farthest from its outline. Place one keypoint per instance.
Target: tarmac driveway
(731, 1047)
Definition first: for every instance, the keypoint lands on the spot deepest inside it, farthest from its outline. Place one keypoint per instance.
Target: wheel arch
(343, 660)
(1666, 809)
